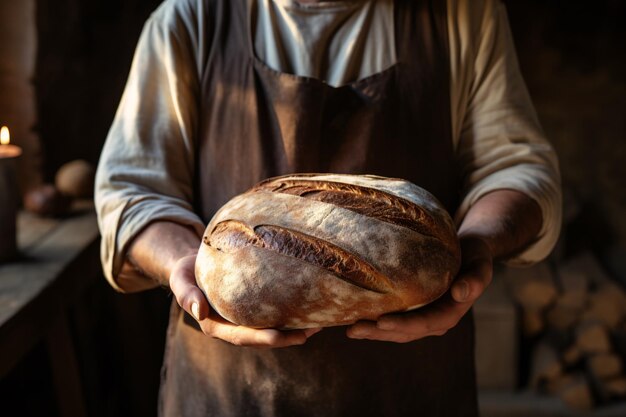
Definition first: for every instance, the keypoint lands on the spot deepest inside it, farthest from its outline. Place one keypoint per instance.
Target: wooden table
(58, 262)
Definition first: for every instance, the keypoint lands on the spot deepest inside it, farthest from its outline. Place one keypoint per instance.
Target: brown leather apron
(256, 123)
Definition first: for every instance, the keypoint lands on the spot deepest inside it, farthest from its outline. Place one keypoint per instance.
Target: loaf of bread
(309, 250)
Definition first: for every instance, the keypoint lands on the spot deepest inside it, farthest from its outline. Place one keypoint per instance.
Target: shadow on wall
(572, 57)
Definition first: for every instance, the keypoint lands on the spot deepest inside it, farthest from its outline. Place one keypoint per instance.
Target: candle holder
(9, 198)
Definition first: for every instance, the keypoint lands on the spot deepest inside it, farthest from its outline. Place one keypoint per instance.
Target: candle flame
(5, 136)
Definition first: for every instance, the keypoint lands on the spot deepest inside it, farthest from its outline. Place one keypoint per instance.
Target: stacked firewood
(573, 321)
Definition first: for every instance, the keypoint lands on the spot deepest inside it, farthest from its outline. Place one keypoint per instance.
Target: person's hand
(192, 300)
(442, 315)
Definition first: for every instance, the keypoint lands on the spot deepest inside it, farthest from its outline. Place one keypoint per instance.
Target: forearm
(507, 220)
(153, 253)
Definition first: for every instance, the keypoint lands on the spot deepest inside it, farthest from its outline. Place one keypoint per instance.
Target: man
(223, 94)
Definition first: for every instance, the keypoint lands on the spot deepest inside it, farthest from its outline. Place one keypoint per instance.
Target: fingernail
(385, 325)
(463, 290)
(195, 310)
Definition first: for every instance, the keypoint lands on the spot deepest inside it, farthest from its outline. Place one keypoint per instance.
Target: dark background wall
(84, 52)
(573, 58)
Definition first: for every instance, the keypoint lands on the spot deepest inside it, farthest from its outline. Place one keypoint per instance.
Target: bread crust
(277, 259)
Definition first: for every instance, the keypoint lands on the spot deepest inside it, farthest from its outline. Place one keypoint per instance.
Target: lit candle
(6, 149)
(9, 195)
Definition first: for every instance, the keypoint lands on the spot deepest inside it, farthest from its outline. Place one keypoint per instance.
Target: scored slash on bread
(363, 200)
(316, 250)
(232, 235)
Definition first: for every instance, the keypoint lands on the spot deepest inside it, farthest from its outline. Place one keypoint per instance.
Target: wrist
(506, 220)
(157, 249)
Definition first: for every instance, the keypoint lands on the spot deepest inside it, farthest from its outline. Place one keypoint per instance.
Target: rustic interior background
(571, 54)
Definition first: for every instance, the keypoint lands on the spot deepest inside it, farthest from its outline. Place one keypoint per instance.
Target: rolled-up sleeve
(499, 141)
(146, 168)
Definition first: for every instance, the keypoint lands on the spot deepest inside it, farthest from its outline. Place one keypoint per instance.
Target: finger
(369, 331)
(435, 319)
(188, 295)
(246, 336)
(476, 270)
(472, 282)
(192, 300)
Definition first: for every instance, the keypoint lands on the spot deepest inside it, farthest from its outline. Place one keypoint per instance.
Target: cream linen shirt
(335, 41)
(146, 168)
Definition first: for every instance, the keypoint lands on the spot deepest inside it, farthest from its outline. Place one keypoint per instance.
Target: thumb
(470, 285)
(184, 287)
(475, 276)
